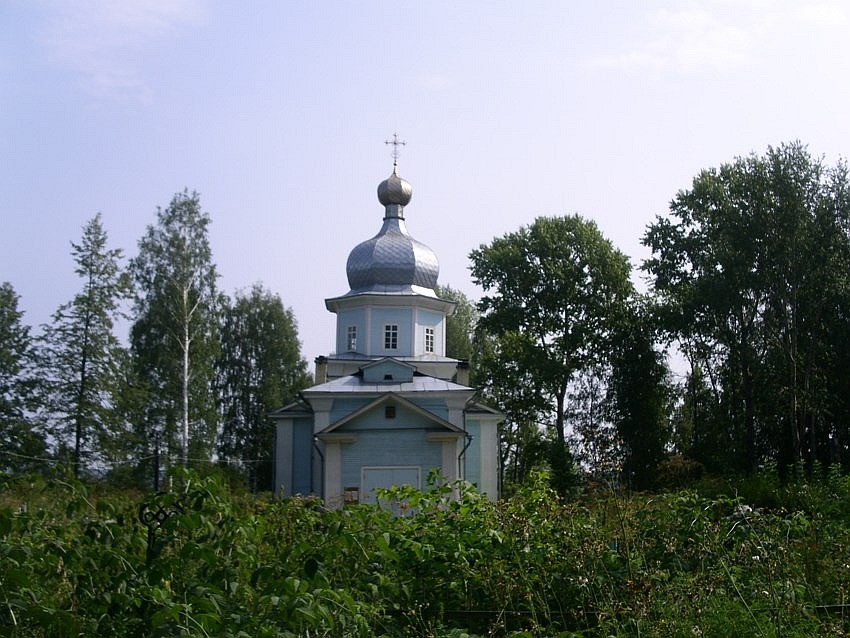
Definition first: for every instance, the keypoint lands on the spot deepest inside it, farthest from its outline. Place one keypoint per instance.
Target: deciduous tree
(260, 368)
(554, 293)
(174, 338)
(750, 270)
(639, 398)
(460, 325)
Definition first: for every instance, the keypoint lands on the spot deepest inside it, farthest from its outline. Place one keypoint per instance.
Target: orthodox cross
(396, 143)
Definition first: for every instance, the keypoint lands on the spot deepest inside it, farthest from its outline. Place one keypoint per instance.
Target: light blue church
(389, 406)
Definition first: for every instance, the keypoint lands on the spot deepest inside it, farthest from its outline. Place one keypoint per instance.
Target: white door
(383, 477)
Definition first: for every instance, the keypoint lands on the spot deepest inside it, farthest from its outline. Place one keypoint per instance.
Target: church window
(351, 338)
(391, 336)
(389, 411)
(429, 340)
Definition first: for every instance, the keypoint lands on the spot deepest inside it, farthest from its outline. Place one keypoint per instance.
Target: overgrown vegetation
(768, 562)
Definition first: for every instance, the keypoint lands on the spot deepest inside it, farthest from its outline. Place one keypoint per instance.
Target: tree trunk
(81, 390)
(185, 416)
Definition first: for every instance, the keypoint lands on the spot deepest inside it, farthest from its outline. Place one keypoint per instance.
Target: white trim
(391, 333)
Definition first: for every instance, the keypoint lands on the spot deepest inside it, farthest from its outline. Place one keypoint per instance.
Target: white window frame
(430, 340)
(391, 336)
(351, 338)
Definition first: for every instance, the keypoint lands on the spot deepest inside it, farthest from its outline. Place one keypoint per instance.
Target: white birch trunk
(185, 380)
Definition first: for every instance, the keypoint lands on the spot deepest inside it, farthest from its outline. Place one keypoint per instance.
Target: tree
(558, 290)
(174, 337)
(21, 443)
(260, 368)
(81, 355)
(639, 398)
(460, 325)
(695, 433)
(749, 270)
(597, 447)
(505, 384)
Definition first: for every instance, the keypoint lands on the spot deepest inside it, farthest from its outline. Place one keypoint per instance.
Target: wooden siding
(343, 407)
(398, 372)
(353, 317)
(302, 466)
(430, 319)
(437, 407)
(388, 448)
(405, 419)
(403, 318)
(472, 456)
(293, 456)
(482, 455)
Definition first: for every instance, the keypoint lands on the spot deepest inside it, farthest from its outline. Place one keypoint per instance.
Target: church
(388, 406)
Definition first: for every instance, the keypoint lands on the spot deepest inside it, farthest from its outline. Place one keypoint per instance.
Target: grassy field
(724, 559)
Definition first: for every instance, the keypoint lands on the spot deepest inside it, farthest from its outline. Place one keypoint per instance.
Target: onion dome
(395, 190)
(392, 261)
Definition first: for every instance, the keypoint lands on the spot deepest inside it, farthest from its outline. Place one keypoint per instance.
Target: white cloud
(105, 41)
(823, 14)
(719, 35)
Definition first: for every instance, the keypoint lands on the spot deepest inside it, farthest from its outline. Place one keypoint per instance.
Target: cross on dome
(396, 143)
(393, 262)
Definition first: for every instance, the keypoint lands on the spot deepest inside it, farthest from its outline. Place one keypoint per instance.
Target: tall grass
(754, 559)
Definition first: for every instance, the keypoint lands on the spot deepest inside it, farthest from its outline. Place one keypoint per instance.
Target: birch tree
(174, 338)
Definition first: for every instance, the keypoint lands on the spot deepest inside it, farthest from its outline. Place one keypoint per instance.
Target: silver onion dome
(395, 190)
(392, 261)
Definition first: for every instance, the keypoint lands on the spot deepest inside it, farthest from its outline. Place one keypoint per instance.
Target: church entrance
(373, 478)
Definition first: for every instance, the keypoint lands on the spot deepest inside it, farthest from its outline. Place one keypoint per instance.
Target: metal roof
(392, 260)
(355, 383)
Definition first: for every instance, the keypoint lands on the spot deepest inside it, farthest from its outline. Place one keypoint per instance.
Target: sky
(276, 112)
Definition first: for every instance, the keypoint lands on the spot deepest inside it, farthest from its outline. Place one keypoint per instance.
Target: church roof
(392, 261)
(355, 383)
(394, 398)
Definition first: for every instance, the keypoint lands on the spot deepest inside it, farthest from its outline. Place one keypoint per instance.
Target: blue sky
(277, 112)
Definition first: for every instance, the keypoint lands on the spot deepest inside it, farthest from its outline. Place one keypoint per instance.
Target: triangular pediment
(388, 370)
(296, 408)
(397, 400)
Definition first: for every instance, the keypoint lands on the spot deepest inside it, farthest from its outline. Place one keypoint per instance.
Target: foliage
(750, 271)
(554, 294)
(174, 337)
(81, 356)
(77, 562)
(460, 325)
(20, 442)
(259, 369)
(594, 437)
(639, 397)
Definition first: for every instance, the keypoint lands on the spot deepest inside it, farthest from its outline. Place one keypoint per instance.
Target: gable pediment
(377, 408)
(387, 371)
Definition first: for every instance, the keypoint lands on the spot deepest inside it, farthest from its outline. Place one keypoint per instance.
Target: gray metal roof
(354, 383)
(395, 190)
(392, 260)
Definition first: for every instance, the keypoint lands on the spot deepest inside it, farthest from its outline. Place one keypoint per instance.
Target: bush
(204, 561)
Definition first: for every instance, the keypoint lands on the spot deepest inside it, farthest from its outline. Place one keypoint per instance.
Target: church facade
(388, 406)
